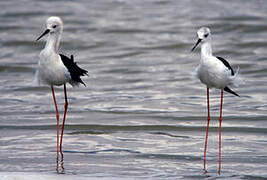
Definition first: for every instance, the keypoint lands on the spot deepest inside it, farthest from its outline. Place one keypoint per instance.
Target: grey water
(142, 114)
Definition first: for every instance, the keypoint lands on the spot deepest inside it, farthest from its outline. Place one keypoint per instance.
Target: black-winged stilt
(214, 72)
(55, 69)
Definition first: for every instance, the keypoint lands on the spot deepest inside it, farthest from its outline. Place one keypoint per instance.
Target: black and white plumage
(75, 71)
(227, 89)
(55, 69)
(214, 72)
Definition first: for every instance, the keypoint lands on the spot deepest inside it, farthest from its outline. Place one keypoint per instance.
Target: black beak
(198, 41)
(46, 32)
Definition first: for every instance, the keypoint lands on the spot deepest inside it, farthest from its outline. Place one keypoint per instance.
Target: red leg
(207, 130)
(57, 116)
(64, 117)
(220, 136)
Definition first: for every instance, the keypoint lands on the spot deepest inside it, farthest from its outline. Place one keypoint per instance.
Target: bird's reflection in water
(60, 164)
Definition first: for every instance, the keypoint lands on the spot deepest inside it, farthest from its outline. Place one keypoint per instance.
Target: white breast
(51, 69)
(213, 73)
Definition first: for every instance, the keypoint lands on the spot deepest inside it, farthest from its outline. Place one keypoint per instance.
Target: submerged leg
(64, 117)
(207, 130)
(220, 137)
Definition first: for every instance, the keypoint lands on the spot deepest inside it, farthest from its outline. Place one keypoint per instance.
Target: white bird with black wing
(214, 72)
(55, 69)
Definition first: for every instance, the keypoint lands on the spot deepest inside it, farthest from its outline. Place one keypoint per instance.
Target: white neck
(52, 43)
(206, 49)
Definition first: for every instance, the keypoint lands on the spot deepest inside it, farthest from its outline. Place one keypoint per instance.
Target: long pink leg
(57, 116)
(220, 137)
(207, 130)
(64, 117)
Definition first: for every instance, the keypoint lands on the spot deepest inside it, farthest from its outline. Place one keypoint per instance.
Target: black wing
(226, 64)
(73, 68)
(227, 89)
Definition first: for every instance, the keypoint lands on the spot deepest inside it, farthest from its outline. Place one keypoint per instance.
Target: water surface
(142, 114)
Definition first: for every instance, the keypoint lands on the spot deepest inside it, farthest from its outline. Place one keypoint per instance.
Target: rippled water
(142, 115)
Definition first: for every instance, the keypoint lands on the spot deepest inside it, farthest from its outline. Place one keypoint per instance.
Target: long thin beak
(44, 33)
(198, 41)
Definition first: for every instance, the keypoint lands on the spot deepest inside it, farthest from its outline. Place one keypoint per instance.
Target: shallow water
(142, 114)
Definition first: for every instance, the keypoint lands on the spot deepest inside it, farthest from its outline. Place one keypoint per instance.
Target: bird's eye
(206, 35)
(54, 26)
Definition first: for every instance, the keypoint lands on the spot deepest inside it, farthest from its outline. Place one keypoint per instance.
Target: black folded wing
(226, 63)
(75, 71)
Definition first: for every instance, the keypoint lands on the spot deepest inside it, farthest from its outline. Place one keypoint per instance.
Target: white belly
(213, 75)
(51, 70)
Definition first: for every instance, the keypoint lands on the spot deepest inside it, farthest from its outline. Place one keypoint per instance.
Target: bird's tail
(227, 89)
(236, 80)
